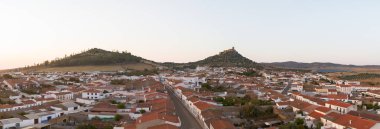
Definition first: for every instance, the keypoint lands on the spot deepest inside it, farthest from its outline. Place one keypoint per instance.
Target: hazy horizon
(341, 31)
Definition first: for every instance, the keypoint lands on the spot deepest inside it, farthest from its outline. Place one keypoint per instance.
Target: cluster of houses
(330, 105)
(203, 109)
(51, 100)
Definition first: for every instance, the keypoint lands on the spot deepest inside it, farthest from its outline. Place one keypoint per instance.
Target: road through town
(187, 119)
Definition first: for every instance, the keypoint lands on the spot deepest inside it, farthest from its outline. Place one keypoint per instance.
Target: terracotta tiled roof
(299, 104)
(316, 115)
(337, 96)
(3, 106)
(130, 126)
(366, 115)
(104, 107)
(222, 124)
(203, 105)
(332, 116)
(338, 103)
(157, 115)
(283, 103)
(323, 109)
(193, 99)
(310, 108)
(92, 91)
(187, 93)
(28, 102)
(164, 126)
(354, 122)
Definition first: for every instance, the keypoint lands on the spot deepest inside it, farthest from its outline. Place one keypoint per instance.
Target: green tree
(7, 76)
(113, 102)
(121, 106)
(319, 125)
(299, 121)
(142, 111)
(46, 63)
(206, 86)
(118, 117)
(96, 118)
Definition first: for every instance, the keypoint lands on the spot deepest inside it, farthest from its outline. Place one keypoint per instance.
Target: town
(200, 98)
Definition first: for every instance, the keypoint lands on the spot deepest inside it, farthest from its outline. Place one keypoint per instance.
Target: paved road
(188, 121)
(287, 88)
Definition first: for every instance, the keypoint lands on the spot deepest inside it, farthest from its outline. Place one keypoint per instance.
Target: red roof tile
(338, 103)
(316, 115)
(164, 126)
(222, 124)
(354, 122)
(203, 105)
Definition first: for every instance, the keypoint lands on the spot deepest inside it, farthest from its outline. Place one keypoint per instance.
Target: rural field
(357, 75)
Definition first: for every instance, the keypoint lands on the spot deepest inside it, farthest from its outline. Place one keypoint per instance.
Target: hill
(324, 67)
(95, 56)
(93, 60)
(227, 58)
(101, 60)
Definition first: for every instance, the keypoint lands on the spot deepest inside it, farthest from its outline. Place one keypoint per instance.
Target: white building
(339, 106)
(93, 94)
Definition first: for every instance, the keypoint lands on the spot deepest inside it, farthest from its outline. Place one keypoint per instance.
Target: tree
(319, 125)
(7, 76)
(73, 79)
(297, 124)
(118, 117)
(46, 63)
(121, 106)
(299, 121)
(206, 86)
(114, 102)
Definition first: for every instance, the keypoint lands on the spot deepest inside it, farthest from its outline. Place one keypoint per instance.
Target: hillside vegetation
(92, 60)
(95, 57)
(227, 58)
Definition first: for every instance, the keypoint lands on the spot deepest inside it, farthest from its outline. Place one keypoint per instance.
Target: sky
(338, 31)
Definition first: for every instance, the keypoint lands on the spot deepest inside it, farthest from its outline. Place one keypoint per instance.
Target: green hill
(227, 58)
(92, 60)
(101, 60)
(95, 57)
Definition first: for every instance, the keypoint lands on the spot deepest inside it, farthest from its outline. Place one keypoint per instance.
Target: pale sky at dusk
(338, 31)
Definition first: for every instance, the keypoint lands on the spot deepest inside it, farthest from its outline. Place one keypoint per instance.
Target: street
(287, 88)
(187, 119)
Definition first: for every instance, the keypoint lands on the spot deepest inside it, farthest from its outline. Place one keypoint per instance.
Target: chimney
(350, 122)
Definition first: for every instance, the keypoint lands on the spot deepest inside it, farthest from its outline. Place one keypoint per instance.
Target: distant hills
(320, 67)
(102, 60)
